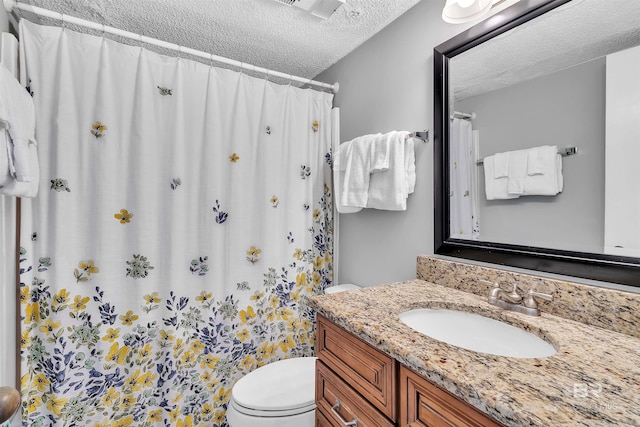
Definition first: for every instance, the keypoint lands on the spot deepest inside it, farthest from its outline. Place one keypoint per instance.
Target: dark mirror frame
(606, 268)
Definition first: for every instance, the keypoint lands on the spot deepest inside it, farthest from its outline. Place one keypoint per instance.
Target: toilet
(280, 394)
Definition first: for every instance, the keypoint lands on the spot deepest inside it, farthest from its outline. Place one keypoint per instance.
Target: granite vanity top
(593, 380)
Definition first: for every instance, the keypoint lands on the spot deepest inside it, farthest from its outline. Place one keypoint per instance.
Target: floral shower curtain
(183, 222)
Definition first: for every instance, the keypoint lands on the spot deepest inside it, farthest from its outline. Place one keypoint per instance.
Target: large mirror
(537, 130)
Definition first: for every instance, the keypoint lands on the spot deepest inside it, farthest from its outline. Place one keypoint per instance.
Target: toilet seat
(259, 393)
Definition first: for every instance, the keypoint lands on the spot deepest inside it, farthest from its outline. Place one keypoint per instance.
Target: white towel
(549, 183)
(17, 109)
(389, 190)
(541, 159)
(410, 165)
(501, 165)
(339, 164)
(362, 157)
(517, 171)
(495, 189)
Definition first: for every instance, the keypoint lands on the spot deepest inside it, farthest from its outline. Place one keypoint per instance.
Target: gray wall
(4, 20)
(566, 108)
(387, 84)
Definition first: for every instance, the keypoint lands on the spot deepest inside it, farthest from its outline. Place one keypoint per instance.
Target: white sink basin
(476, 333)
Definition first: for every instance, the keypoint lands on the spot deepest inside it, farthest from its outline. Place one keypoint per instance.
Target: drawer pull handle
(335, 408)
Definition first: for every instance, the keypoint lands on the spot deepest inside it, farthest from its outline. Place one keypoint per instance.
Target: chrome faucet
(516, 300)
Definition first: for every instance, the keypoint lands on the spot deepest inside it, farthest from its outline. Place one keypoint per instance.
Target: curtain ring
(62, 19)
(211, 60)
(179, 52)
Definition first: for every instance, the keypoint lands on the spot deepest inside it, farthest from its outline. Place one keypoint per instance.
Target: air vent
(325, 8)
(320, 8)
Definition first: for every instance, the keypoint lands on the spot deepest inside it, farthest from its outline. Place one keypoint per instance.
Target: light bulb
(465, 3)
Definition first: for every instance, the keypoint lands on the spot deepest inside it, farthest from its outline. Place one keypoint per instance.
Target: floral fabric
(178, 242)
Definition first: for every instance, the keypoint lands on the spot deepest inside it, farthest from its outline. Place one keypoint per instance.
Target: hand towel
(549, 183)
(517, 171)
(363, 156)
(17, 109)
(343, 153)
(389, 190)
(501, 165)
(410, 165)
(541, 159)
(495, 189)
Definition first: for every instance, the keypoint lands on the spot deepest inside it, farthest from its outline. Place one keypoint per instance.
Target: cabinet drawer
(321, 420)
(341, 405)
(370, 372)
(424, 404)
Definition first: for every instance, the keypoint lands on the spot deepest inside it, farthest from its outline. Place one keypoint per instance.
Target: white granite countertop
(593, 380)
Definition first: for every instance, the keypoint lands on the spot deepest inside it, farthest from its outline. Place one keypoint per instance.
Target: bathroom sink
(476, 333)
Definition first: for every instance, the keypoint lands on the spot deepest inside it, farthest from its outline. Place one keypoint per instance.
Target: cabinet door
(424, 404)
(370, 372)
(341, 405)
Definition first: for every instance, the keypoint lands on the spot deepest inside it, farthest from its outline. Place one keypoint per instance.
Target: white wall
(622, 204)
(387, 84)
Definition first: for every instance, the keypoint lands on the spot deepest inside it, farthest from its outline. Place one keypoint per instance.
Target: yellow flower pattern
(253, 254)
(175, 365)
(97, 129)
(124, 216)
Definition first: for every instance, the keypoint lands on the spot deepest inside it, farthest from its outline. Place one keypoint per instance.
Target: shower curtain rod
(466, 116)
(11, 5)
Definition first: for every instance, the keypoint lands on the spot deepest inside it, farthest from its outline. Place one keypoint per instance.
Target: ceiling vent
(320, 8)
(325, 8)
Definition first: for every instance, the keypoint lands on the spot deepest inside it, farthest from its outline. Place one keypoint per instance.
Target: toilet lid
(280, 388)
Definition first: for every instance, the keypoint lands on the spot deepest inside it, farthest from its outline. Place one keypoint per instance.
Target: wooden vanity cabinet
(357, 385)
(422, 403)
(348, 362)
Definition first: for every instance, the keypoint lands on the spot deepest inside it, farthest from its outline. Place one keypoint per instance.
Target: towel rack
(423, 135)
(569, 151)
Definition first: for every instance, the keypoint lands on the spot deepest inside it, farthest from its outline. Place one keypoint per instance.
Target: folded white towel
(541, 159)
(410, 165)
(495, 189)
(501, 165)
(339, 165)
(389, 190)
(362, 157)
(17, 109)
(549, 183)
(517, 171)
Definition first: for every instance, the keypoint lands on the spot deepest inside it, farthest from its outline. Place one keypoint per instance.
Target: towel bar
(569, 151)
(424, 135)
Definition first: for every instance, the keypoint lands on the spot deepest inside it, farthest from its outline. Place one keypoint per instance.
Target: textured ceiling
(576, 32)
(259, 32)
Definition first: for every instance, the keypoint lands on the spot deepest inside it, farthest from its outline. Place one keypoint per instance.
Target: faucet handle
(530, 301)
(489, 282)
(514, 293)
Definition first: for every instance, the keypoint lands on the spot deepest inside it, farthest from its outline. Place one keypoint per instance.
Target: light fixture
(461, 11)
